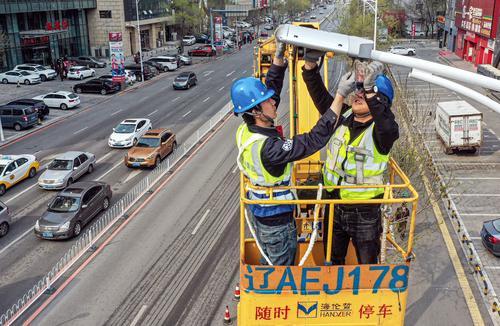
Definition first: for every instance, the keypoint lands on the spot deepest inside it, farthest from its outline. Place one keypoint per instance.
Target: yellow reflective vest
(354, 163)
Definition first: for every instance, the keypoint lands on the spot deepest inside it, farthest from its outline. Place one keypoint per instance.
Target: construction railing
(89, 238)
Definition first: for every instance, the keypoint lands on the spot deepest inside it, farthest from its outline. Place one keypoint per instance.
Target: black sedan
(490, 236)
(72, 209)
(185, 80)
(37, 105)
(96, 86)
(155, 67)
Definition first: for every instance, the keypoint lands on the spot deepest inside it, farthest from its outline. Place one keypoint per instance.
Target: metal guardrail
(88, 239)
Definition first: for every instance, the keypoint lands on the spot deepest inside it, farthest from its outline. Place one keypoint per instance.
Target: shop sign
(218, 28)
(30, 41)
(470, 36)
(117, 61)
(115, 36)
(441, 19)
(57, 26)
(475, 16)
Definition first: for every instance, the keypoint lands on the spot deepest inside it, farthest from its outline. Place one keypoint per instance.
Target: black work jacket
(277, 150)
(386, 130)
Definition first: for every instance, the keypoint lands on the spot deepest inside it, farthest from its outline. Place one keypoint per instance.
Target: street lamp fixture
(373, 7)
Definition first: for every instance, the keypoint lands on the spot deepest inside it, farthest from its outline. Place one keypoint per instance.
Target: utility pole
(139, 35)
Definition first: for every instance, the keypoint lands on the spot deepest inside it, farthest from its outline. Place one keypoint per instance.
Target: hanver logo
(307, 309)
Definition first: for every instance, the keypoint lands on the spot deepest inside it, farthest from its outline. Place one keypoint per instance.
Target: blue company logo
(308, 309)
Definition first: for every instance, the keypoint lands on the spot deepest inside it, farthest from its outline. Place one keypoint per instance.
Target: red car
(202, 51)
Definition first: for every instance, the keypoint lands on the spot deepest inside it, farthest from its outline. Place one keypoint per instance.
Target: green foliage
(188, 15)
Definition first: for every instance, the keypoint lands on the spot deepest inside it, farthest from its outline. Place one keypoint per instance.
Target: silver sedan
(66, 168)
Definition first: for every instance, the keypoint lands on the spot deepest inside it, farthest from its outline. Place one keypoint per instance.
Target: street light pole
(139, 35)
(375, 26)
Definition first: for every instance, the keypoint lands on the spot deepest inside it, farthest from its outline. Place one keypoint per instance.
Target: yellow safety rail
(319, 293)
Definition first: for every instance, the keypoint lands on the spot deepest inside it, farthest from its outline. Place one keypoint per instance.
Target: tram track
(164, 282)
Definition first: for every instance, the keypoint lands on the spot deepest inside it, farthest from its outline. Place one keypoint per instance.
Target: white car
(398, 49)
(128, 132)
(15, 168)
(242, 24)
(62, 99)
(228, 43)
(228, 29)
(80, 72)
(21, 76)
(169, 63)
(130, 77)
(188, 40)
(43, 72)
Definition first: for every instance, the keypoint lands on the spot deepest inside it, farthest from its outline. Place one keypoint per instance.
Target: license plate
(136, 164)
(47, 235)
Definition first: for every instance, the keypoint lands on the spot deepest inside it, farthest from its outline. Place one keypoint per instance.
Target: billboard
(475, 16)
(218, 28)
(117, 61)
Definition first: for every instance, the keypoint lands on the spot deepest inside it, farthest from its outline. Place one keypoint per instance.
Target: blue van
(18, 117)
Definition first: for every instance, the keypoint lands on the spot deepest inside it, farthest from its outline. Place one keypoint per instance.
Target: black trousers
(362, 224)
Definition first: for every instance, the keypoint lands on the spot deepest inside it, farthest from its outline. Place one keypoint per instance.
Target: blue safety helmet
(247, 92)
(384, 86)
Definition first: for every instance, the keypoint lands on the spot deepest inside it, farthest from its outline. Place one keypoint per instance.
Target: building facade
(156, 25)
(476, 22)
(38, 31)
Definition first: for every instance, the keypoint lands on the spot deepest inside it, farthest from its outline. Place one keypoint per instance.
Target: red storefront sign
(57, 25)
(475, 16)
(115, 36)
(30, 41)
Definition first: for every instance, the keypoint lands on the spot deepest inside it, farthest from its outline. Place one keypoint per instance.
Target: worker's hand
(372, 71)
(280, 49)
(347, 84)
(312, 55)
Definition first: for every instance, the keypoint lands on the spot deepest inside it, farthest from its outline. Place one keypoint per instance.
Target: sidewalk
(451, 59)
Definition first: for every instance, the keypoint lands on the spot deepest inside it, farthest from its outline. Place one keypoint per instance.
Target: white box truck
(458, 125)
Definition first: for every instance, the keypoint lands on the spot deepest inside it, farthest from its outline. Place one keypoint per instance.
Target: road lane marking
(21, 193)
(79, 131)
(111, 169)
(229, 74)
(132, 175)
(491, 267)
(16, 240)
(209, 78)
(139, 315)
(152, 113)
(104, 157)
(185, 114)
(200, 221)
(175, 99)
(206, 73)
(233, 79)
(235, 169)
(474, 238)
(244, 72)
(206, 99)
(116, 112)
(220, 89)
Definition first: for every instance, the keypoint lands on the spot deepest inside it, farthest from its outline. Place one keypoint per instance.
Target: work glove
(313, 55)
(347, 84)
(374, 69)
(280, 49)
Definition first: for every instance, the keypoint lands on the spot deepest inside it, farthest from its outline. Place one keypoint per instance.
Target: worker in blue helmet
(265, 156)
(357, 154)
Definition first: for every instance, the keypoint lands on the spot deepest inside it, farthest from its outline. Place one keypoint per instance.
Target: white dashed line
(175, 99)
(209, 78)
(491, 267)
(244, 72)
(205, 100)
(235, 169)
(220, 89)
(104, 157)
(79, 131)
(201, 221)
(16, 240)
(479, 214)
(139, 315)
(475, 195)
(478, 178)
(152, 113)
(116, 112)
(229, 74)
(233, 79)
(185, 114)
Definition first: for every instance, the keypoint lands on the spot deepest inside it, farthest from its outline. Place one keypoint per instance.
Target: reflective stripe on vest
(250, 163)
(364, 164)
